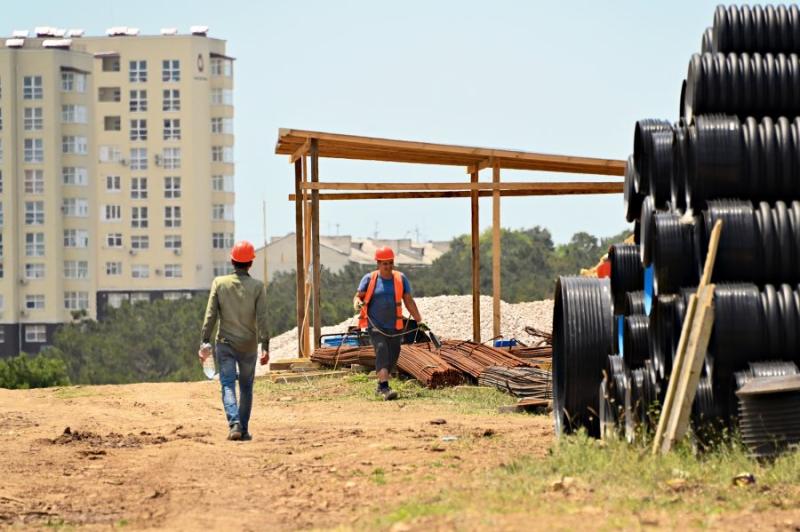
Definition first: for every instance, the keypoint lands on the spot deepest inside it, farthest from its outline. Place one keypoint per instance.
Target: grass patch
(72, 392)
(625, 481)
(379, 476)
(359, 386)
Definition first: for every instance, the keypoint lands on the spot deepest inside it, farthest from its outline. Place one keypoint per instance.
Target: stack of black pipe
(732, 155)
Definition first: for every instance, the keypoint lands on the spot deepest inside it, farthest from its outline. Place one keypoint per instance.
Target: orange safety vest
(363, 321)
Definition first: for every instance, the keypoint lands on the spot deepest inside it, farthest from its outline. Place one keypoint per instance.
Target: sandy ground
(155, 456)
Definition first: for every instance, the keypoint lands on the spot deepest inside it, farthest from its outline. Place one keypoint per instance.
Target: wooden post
(476, 264)
(305, 332)
(298, 241)
(315, 240)
(496, 252)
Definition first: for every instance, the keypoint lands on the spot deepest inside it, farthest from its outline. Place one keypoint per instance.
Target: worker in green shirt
(239, 303)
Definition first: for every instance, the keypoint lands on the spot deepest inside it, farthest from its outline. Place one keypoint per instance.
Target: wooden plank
(476, 264)
(301, 279)
(286, 378)
(672, 400)
(456, 186)
(496, 252)
(678, 422)
(333, 144)
(302, 151)
(606, 188)
(305, 331)
(483, 165)
(315, 242)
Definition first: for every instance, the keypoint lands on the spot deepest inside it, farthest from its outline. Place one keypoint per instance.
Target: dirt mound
(112, 439)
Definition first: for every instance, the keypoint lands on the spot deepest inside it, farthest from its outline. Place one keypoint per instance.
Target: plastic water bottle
(209, 367)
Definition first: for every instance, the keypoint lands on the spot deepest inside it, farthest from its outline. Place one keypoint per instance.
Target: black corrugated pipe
(715, 162)
(636, 340)
(582, 335)
(744, 85)
(634, 303)
(626, 273)
(666, 320)
(642, 145)
(680, 150)
(631, 195)
(755, 29)
(673, 253)
(645, 231)
(706, 43)
(644, 396)
(739, 256)
(659, 171)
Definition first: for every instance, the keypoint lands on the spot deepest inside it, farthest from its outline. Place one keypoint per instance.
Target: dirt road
(155, 456)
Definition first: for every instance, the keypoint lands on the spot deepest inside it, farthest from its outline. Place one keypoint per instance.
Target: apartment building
(116, 168)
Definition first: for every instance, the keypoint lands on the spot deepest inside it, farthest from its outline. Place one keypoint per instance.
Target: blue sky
(553, 77)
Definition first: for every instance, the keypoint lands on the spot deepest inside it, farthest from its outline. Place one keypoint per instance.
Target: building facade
(116, 167)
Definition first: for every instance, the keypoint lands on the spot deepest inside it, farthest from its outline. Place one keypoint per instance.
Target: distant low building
(336, 252)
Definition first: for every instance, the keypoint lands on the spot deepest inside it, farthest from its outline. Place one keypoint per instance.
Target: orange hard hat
(243, 251)
(384, 253)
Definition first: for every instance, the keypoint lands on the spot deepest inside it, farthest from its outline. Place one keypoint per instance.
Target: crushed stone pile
(449, 317)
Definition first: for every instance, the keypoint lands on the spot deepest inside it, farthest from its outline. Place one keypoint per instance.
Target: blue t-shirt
(381, 308)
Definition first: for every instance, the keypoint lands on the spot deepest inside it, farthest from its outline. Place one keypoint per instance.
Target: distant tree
(40, 371)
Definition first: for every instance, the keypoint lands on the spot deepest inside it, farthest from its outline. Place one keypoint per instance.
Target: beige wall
(281, 257)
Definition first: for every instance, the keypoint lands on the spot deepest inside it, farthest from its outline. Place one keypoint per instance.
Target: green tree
(40, 371)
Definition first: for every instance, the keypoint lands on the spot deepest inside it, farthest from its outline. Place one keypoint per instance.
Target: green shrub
(40, 371)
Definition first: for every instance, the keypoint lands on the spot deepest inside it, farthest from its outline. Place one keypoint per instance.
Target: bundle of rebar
(344, 356)
(427, 366)
(520, 382)
(473, 359)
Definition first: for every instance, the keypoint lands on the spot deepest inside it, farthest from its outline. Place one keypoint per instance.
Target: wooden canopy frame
(301, 146)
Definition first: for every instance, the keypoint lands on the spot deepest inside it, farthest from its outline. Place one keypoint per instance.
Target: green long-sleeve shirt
(239, 302)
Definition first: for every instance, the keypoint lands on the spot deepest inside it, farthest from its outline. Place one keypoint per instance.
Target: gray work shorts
(387, 350)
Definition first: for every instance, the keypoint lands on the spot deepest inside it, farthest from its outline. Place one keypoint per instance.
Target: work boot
(246, 436)
(387, 393)
(235, 433)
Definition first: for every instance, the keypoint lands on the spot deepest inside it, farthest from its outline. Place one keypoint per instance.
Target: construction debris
(532, 383)
(427, 366)
(473, 359)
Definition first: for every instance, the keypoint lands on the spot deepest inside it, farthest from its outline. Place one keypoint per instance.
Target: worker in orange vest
(379, 300)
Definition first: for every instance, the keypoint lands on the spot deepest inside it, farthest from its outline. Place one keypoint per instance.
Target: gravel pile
(449, 317)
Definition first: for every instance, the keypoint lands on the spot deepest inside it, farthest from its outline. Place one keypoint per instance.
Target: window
(73, 82)
(34, 270)
(32, 88)
(139, 217)
(172, 187)
(172, 216)
(222, 212)
(1, 126)
(173, 271)
(172, 242)
(34, 213)
(140, 242)
(76, 300)
(73, 114)
(34, 150)
(137, 71)
(74, 175)
(222, 268)
(109, 154)
(138, 158)
(78, 207)
(222, 125)
(171, 70)
(221, 97)
(172, 100)
(111, 64)
(115, 300)
(171, 158)
(1, 225)
(113, 268)
(113, 183)
(172, 129)
(222, 154)
(112, 213)
(138, 101)
(139, 129)
(74, 144)
(114, 240)
(32, 119)
(139, 188)
(221, 67)
(109, 94)
(1, 150)
(140, 271)
(34, 301)
(1, 180)
(221, 240)
(35, 334)
(112, 123)
(76, 238)
(34, 244)
(34, 181)
(76, 269)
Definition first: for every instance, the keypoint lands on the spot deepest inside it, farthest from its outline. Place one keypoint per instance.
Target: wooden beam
(477, 167)
(305, 331)
(301, 280)
(496, 252)
(607, 188)
(567, 185)
(302, 151)
(315, 240)
(476, 264)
